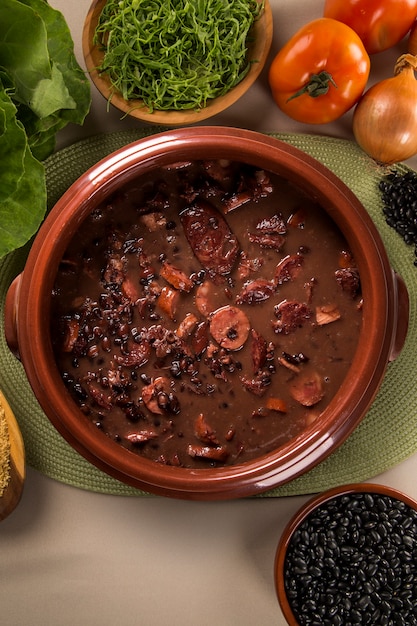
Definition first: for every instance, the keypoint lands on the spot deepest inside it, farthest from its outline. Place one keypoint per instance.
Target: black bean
(399, 197)
(354, 561)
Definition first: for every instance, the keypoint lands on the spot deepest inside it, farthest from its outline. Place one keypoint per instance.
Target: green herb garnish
(175, 54)
(42, 88)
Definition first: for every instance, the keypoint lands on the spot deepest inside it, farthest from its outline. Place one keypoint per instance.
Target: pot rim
(342, 414)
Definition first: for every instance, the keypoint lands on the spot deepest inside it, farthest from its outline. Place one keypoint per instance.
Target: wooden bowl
(258, 51)
(14, 461)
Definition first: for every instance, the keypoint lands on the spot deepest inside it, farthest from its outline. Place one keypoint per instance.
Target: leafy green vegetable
(42, 88)
(12, 148)
(175, 54)
(22, 207)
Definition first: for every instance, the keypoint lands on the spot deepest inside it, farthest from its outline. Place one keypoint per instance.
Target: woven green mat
(386, 436)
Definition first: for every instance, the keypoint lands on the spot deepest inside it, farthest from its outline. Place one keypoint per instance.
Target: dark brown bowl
(384, 327)
(367, 539)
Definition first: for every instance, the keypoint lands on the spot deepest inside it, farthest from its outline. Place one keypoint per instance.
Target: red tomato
(320, 73)
(379, 23)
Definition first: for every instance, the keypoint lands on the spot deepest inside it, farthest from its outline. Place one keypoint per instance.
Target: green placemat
(386, 436)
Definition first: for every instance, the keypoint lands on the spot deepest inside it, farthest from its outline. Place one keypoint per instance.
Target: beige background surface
(70, 557)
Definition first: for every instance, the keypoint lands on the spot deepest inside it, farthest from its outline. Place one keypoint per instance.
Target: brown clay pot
(385, 317)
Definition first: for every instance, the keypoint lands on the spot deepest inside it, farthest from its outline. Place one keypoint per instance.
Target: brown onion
(385, 119)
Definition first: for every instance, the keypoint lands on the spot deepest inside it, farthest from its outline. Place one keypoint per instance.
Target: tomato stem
(318, 85)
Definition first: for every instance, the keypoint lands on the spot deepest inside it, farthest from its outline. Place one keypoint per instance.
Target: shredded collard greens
(175, 54)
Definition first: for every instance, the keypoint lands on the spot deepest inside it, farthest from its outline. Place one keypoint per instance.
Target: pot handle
(10, 315)
(402, 317)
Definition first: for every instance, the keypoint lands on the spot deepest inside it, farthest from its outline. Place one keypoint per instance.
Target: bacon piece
(274, 241)
(349, 280)
(288, 268)
(258, 384)
(274, 224)
(327, 313)
(115, 271)
(210, 237)
(204, 432)
(229, 326)
(247, 266)
(255, 291)
(291, 315)
(153, 221)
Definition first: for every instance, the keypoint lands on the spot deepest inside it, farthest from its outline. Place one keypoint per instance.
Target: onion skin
(385, 119)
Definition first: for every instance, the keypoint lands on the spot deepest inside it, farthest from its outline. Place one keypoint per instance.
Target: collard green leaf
(42, 88)
(22, 210)
(61, 50)
(29, 65)
(13, 144)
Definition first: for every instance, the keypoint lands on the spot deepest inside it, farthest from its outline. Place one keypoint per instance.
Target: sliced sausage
(230, 327)
(259, 350)
(210, 237)
(168, 301)
(176, 277)
(142, 436)
(218, 453)
(204, 298)
(307, 389)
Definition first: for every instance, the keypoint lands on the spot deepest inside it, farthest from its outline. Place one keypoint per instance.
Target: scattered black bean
(353, 560)
(399, 196)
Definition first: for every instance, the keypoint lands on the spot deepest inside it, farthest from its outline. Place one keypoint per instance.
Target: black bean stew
(205, 314)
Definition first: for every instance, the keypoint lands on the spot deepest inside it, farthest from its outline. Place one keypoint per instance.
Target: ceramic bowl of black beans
(349, 556)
